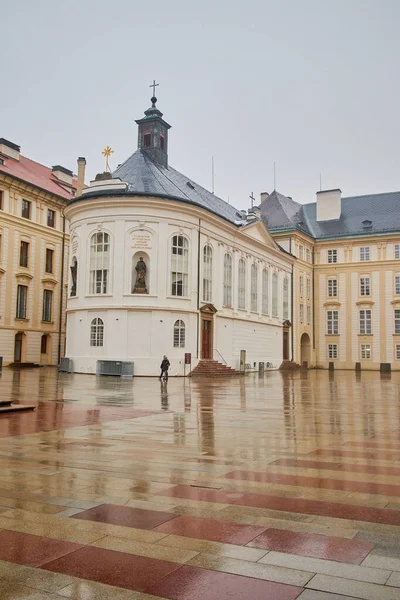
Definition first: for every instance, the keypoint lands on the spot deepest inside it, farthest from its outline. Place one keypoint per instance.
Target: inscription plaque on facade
(141, 241)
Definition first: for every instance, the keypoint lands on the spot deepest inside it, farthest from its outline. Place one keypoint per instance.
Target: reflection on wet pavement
(281, 485)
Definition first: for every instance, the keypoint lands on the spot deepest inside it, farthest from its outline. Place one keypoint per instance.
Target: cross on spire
(154, 85)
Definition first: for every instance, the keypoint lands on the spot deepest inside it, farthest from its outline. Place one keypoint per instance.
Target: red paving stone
(32, 550)
(196, 493)
(356, 454)
(364, 487)
(210, 529)
(49, 416)
(125, 515)
(114, 568)
(341, 467)
(313, 545)
(192, 583)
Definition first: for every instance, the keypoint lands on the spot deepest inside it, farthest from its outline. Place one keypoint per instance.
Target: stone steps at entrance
(8, 406)
(289, 365)
(212, 368)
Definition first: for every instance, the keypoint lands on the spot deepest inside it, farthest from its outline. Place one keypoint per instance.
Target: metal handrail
(220, 355)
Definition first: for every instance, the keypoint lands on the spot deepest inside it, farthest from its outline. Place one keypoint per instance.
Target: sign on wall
(141, 240)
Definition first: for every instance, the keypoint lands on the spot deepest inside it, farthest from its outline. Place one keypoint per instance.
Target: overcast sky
(312, 85)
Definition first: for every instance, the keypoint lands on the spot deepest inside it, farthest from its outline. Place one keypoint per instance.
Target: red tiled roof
(36, 174)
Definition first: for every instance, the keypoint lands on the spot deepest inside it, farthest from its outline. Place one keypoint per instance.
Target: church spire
(153, 132)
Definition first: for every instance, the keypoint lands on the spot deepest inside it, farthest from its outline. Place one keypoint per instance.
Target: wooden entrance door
(206, 338)
(18, 347)
(285, 345)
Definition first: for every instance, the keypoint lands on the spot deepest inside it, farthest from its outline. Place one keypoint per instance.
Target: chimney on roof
(81, 175)
(62, 174)
(9, 149)
(329, 205)
(263, 196)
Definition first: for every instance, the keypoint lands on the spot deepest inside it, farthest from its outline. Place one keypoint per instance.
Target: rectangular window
(147, 140)
(51, 218)
(365, 286)
(365, 351)
(364, 253)
(397, 321)
(332, 351)
(24, 254)
(397, 250)
(332, 256)
(308, 315)
(49, 260)
(397, 284)
(43, 345)
(22, 296)
(162, 142)
(1, 200)
(301, 313)
(26, 209)
(301, 252)
(365, 322)
(332, 322)
(397, 351)
(99, 281)
(308, 255)
(47, 304)
(301, 285)
(308, 286)
(332, 288)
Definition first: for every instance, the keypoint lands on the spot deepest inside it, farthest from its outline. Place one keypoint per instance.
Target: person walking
(164, 367)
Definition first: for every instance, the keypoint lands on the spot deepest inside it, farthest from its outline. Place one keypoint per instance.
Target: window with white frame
(308, 255)
(301, 252)
(179, 266)
(264, 299)
(301, 285)
(397, 250)
(365, 351)
(227, 280)
(96, 332)
(365, 321)
(332, 256)
(365, 285)
(397, 351)
(207, 273)
(332, 322)
(332, 351)
(179, 334)
(285, 298)
(242, 284)
(308, 315)
(332, 288)
(308, 286)
(396, 321)
(364, 253)
(275, 294)
(301, 313)
(397, 284)
(99, 262)
(254, 285)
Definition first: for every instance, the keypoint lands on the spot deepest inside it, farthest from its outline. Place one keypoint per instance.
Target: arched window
(275, 294)
(242, 284)
(179, 334)
(179, 266)
(265, 294)
(99, 262)
(96, 332)
(254, 284)
(286, 298)
(227, 280)
(207, 273)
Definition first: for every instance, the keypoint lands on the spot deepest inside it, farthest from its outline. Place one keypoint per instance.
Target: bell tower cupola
(153, 132)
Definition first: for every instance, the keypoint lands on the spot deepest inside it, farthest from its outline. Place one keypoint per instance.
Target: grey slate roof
(144, 176)
(383, 210)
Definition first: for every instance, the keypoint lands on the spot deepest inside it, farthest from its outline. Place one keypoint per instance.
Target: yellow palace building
(34, 244)
(346, 279)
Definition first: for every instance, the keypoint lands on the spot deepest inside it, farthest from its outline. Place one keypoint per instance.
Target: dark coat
(165, 365)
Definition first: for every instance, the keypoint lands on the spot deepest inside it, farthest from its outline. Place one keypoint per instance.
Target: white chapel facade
(159, 265)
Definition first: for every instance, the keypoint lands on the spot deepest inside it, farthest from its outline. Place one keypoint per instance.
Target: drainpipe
(291, 300)
(61, 292)
(198, 290)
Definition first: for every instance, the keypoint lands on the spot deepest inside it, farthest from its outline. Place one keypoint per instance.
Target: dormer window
(147, 140)
(162, 142)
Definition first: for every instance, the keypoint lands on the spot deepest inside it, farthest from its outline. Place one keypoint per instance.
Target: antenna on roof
(274, 178)
(252, 199)
(212, 174)
(320, 182)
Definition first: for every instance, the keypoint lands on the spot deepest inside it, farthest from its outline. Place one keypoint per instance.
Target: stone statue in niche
(74, 273)
(140, 284)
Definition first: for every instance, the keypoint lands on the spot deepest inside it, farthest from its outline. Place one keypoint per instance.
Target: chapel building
(160, 265)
